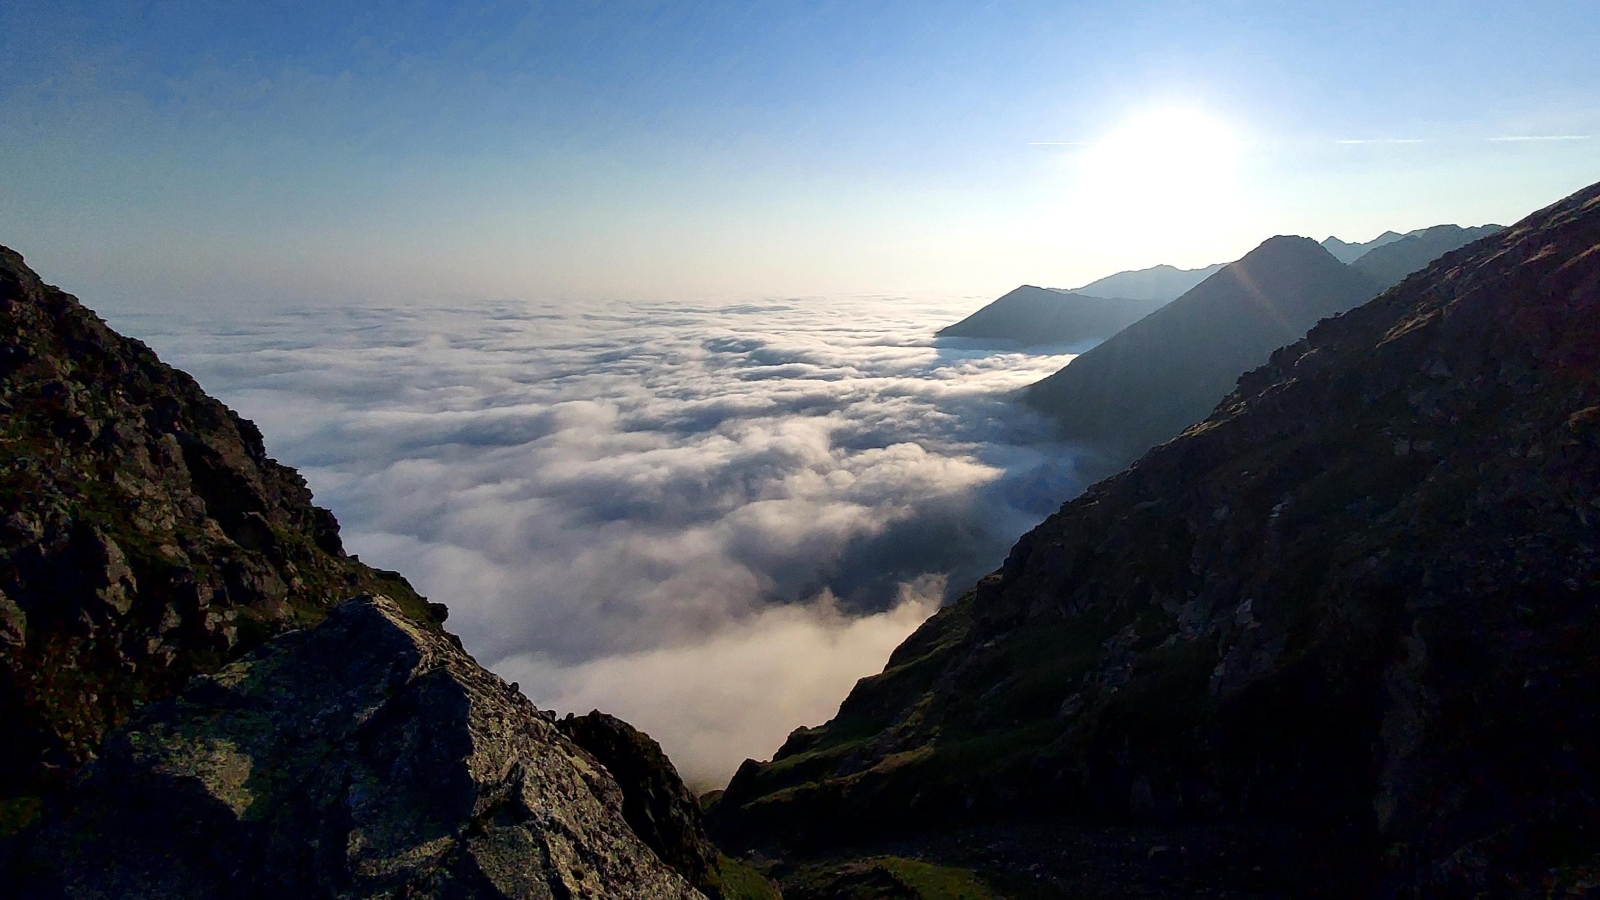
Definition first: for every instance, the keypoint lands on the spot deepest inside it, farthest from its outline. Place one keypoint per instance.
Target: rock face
(147, 538)
(655, 803)
(1035, 315)
(1160, 284)
(365, 757)
(1168, 370)
(144, 536)
(1391, 262)
(1360, 601)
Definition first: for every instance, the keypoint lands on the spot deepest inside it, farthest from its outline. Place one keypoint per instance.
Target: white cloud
(708, 520)
(746, 685)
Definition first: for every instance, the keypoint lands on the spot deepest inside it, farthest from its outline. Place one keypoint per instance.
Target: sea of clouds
(709, 520)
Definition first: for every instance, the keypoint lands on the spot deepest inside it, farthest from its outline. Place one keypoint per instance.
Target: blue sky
(244, 152)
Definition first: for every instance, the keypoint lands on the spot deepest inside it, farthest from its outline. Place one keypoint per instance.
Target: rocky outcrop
(655, 803)
(1168, 370)
(320, 749)
(144, 536)
(1033, 315)
(365, 757)
(1357, 604)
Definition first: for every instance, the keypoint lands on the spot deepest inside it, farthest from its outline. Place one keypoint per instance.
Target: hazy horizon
(183, 153)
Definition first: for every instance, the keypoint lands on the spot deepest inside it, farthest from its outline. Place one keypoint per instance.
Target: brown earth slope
(1361, 602)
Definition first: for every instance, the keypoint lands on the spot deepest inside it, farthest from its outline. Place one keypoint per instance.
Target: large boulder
(655, 802)
(365, 757)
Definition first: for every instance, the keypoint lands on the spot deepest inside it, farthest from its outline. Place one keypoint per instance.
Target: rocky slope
(1390, 263)
(322, 747)
(1348, 621)
(1166, 371)
(655, 803)
(146, 536)
(366, 757)
(1160, 284)
(1035, 315)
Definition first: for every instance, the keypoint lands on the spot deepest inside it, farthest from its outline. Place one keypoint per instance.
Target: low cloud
(746, 685)
(710, 521)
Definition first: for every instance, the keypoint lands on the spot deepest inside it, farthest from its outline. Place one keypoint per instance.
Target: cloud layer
(708, 520)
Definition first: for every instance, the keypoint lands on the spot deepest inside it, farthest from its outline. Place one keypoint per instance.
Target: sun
(1172, 159)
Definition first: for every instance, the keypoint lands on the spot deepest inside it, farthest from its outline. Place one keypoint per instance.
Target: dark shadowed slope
(322, 747)
(1348, 253)
(145, 535)
(1161, 284)
(363, 758)
(1035, 315)
(1358, 604)
(1390, 263)
(1166, 371)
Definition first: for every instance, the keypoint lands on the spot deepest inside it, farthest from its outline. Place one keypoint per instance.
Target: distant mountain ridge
(1148, 382)
(1036, 315)
(1346, 252)
(1162, 283)
(1033, 315)
(1391, 262)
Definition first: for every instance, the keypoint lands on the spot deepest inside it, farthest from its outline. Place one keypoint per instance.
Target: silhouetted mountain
(1338, 640)
(1035, 315)
(1349, 253)
(1159, 283)
(1392, 262)
(1165, 372)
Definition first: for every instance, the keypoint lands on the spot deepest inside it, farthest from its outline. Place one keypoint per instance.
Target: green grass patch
(740, 881)
(933, 882)
(885, 878)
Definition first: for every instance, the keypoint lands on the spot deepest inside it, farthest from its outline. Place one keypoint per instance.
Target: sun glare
(1175, 157)
(1163, 170)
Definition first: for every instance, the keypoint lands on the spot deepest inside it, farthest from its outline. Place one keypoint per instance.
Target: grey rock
(366, 757)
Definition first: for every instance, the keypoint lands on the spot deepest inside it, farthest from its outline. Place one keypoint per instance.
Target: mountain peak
(1349, 252)
(1163, 373)
(1345, 624)
(1036, 315)
(1289, 246)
